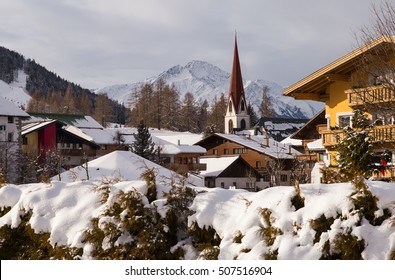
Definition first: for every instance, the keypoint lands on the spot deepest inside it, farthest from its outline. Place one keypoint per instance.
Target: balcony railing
(187, 166)
(370, 95)
(382, 133)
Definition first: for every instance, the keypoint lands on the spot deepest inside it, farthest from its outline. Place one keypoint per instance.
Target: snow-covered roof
(291, 141)
(7, 108)
(28, 128)
(118, 164)
(280, 128)
(79, 121)
(99, 136)
(256, 142)
(175, 149)
(217, 165)
(315, 145)
(175, 137)
(78, 132)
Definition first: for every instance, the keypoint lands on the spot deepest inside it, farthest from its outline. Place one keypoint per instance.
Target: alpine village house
(362, 79)
(271, 161)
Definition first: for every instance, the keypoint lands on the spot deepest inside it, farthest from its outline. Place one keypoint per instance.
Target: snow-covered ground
(15, 92)
(65, 209)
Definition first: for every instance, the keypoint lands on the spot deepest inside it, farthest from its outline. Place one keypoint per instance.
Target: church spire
(236, 117)
(236, 89)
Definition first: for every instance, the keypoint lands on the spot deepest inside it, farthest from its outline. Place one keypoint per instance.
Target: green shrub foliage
(321, 225)
(22, 243)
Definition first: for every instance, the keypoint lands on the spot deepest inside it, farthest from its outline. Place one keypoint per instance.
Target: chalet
(360, 79)
(45, 136)
(181, 157)
(271, 159)
(229, 172)
(279, 128)
(10, 136)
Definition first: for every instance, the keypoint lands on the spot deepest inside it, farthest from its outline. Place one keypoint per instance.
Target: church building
(236, 117)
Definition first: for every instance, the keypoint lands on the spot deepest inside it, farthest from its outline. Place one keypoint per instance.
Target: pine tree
(189, 114)
(266, 106)
(203, 115)
(355, 154)
(253, 117)
(143, 145)
(217, 114)
(69, 103)
(103, 110)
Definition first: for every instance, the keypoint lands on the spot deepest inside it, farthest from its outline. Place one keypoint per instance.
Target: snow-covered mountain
(205, 81)
(16, 91)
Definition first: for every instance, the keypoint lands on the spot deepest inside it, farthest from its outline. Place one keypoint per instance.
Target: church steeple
(236, 117)
(236, 88)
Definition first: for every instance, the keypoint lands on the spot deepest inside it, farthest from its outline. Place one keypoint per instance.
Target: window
(345, 121)
(226, 151)
(222, 185)
(242, 106)
(234, 184)
(230, 107)
(379, 119)
(258, 164)
(238, 151)
(2, 127)
(230, 124)
(215, 152)
(10, 136)
(10, 119)
(283, 178)
(243, 124)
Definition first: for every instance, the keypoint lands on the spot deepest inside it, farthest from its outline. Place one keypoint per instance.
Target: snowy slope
(64, 209)
(206, 81)
(15, 92)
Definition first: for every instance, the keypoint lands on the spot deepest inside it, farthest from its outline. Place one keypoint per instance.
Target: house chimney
(265, 141)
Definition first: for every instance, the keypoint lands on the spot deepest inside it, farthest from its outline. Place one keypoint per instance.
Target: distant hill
(34, 76)
(21, 77)
(205, 81)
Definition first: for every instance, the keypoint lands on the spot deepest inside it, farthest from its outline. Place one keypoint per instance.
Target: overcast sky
(96, 43)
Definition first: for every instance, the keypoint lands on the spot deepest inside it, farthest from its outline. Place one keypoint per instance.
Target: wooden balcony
(382, 134)
(370, 95)
(187, 167)
(309, 158)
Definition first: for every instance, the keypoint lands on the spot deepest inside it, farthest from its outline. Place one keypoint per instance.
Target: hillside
(116, 215)
(27, 73)
(20, 78)
(205, 81)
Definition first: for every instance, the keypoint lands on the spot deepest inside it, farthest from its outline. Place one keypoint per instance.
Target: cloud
(99, 42)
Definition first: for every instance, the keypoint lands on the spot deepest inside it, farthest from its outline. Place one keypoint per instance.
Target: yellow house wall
(337, 101)
(32, 143)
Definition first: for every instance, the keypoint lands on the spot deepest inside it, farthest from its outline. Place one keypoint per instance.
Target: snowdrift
(262, 225)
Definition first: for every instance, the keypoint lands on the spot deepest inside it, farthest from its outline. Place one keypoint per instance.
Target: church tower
(236, 117)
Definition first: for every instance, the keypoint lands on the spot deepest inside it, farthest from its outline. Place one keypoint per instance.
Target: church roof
(236, 89)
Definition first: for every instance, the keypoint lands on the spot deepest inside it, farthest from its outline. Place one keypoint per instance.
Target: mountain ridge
(207, 81)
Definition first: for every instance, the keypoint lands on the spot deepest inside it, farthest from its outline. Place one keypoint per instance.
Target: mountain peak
(206, 81)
